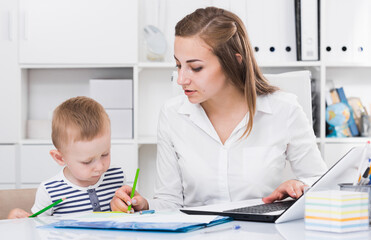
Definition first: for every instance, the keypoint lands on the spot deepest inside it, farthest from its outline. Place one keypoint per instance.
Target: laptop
(343, 171)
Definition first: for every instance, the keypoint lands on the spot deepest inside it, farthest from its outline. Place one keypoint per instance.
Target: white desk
(29, 229)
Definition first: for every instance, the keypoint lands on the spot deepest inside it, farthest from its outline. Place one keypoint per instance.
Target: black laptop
(345, 170)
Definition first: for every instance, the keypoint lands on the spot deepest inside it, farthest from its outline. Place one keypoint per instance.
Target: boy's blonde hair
(76, 119)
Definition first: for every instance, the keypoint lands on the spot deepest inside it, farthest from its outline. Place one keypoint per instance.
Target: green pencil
(48, 207)
(133, 189)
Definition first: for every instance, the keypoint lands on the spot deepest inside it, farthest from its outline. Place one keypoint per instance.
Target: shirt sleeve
(168, 187)
(302, 151)
(42, 200)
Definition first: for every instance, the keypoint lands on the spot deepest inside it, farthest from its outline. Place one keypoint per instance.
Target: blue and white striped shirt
(79, 199)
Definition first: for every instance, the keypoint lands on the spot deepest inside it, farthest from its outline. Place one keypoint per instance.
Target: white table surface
(294, 230)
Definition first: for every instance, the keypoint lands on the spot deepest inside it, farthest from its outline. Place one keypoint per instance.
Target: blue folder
(139, 226)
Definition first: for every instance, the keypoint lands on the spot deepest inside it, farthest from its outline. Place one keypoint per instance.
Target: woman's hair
(76, 119)
(226, 34)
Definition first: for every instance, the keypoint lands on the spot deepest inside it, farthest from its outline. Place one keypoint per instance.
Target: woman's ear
(57, 156)
(239, 58)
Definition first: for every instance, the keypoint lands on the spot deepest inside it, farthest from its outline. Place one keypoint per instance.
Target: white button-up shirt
(194, 168)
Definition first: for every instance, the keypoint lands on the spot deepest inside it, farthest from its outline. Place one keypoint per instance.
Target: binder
(352, 124)
(307, 20)
(270, 25)
(347, 39)
(170, 226)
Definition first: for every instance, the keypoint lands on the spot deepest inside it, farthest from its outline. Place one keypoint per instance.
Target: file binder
(346, 38)
(307, 20)
(270, 25)
(138, 226)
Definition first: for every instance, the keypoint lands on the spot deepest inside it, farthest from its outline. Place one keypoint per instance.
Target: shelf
(43, 66)
(356, 140)
(269, 64)
(7, 143)
(291, 64)
(122, 141)
(156, 65)
(348, 64)
(166, 65)
(147, 140)
(49, 141)
(36, 142)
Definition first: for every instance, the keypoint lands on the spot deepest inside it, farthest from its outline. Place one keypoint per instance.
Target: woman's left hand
(290, 188)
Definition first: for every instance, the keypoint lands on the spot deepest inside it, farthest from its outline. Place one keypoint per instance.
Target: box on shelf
(112, 93)
(121, 123)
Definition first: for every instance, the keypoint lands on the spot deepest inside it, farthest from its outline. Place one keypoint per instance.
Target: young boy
(81, 135)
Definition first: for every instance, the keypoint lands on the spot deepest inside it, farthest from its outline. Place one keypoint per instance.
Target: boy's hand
(290, 188)
(18, 213)
(121, 200)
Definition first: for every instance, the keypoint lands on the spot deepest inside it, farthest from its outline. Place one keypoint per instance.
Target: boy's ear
(57, 156)
(239, 58)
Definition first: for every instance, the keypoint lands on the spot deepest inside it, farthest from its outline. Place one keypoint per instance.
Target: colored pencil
(47, 208)
(133, 189)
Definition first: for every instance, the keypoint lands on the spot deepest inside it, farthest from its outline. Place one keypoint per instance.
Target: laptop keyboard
(264, 208)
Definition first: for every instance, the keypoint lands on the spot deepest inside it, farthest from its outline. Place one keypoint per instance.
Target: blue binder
(139, 226)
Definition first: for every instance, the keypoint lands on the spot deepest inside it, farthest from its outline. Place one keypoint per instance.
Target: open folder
(167, 221)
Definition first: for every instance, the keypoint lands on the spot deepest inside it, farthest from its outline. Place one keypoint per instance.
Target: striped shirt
(79, 199)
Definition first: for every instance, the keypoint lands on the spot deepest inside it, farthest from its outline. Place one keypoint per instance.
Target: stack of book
(358, 122)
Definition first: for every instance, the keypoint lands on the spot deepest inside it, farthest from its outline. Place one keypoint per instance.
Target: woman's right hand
(121, 200)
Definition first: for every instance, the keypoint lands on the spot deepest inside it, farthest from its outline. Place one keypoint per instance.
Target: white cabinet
(125, 156)
(9, 73)
(36, 164)
(43, 89)
(78, 31)
(8, 163)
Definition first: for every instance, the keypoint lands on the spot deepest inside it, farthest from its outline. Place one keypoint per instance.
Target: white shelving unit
(55, 65)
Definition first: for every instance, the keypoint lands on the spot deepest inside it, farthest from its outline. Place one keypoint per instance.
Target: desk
(29, 229)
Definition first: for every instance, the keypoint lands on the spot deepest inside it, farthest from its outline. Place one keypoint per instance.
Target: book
(334, 96)
(352, 124)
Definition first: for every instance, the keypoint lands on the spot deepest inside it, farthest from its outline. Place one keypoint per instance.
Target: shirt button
(95, 204)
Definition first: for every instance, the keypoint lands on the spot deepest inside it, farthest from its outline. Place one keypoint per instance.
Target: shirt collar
(198, 116)
(263, 104)
(187, 108)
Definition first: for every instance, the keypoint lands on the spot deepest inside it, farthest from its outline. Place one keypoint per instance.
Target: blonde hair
(226, 34)
(76, 119)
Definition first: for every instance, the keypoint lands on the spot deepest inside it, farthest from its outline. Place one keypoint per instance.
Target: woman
(229, 137)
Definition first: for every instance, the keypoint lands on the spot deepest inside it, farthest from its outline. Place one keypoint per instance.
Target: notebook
(344, 170)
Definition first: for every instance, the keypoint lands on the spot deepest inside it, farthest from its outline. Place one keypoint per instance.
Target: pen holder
(358, 188)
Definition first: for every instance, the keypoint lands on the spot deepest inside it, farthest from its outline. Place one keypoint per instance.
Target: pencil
(133, 189)
(48, 207)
